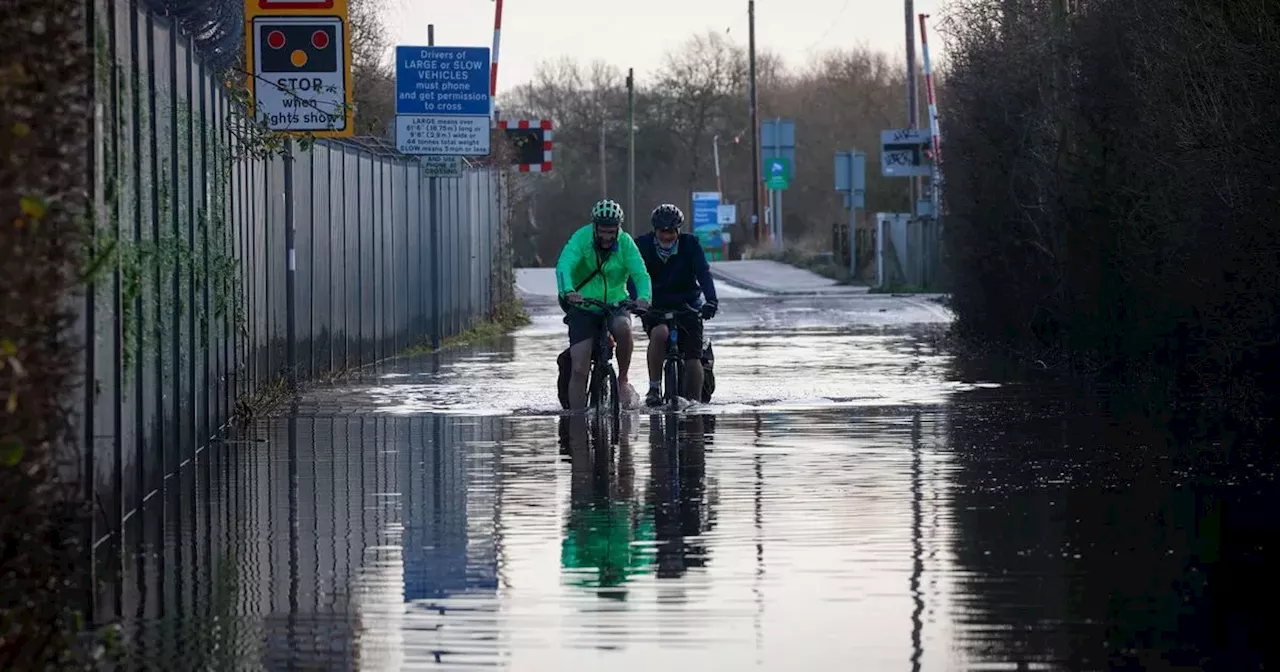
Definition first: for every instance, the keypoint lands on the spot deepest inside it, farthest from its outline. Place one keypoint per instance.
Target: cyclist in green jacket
(596, 263)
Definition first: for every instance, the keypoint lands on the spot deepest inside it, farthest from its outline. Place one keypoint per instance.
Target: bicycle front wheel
(615, 409)
(671, 383)
(606, 404)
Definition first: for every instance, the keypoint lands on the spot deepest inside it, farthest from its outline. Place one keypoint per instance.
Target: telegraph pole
(913, 114)
(755, 121)
(631, 148)
(604, 178)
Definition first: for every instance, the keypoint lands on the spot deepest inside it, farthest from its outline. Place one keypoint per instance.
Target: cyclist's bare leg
(692, 379)
(580, 361)
(621, 328)
(657, 350)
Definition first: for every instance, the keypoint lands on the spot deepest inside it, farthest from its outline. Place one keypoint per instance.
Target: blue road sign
(438, 81)
(778, 140)
(706, 221)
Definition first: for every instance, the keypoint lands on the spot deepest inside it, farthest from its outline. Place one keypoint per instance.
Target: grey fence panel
(277, 265)
(473, 229)
(145, 362)
(399, 240)
(335, 262)
(386, 272)
(450, 223)
(430, 260)
(303, 248)
(458, 254)
(413, 232)
(316, 262)
(371, 235)
(445, 259)
(351, 244)
(183, 378)
(468, 223)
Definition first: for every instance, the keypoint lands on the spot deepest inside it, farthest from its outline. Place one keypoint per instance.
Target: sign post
(851, 180)
(777, 141)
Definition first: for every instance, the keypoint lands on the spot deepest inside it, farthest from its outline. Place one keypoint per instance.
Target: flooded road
(852, 498)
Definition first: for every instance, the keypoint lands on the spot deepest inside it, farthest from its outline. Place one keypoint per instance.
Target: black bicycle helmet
(667, 216)
(607, 213)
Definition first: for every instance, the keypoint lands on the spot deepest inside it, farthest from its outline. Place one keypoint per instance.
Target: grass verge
(502, 320)
(902, 289)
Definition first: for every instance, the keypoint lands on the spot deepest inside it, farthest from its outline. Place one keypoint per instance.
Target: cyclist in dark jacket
(680, 275)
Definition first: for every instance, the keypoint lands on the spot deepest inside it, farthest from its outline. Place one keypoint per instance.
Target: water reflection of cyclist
(677, 492)
(605, 535)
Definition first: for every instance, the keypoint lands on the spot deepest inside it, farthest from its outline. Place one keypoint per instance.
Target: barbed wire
(216, 27)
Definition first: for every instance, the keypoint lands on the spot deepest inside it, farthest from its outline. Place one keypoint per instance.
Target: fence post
(290, 278)
(433, 222)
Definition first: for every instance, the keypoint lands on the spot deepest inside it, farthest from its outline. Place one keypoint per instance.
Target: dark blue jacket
(682, 278)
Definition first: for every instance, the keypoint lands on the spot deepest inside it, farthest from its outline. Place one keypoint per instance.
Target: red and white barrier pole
(493, 64)
(935, 179)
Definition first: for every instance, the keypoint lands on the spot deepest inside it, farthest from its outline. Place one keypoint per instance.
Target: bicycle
(603, 395)
(673, 363)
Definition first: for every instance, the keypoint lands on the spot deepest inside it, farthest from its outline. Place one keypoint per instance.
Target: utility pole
(755, 121)
(913, 114)
(715, 153)
(631, 148)
(604, 178)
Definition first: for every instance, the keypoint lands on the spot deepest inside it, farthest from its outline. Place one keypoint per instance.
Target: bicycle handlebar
(684, 309)
(629, 305)
(625, 304)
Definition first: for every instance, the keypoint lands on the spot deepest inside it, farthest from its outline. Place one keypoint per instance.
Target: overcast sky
(636, 34)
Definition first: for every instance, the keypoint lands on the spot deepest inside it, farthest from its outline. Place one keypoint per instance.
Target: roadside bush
(1111, 170)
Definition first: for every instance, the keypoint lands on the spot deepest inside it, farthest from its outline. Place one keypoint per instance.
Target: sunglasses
(668, 229)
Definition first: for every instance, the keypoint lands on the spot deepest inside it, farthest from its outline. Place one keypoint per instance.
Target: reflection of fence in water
(322, 538)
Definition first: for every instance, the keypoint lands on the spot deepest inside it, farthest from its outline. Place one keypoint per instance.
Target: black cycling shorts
(583, 324)
(689, 332)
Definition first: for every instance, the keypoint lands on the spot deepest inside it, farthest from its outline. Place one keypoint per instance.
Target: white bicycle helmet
(607, 213)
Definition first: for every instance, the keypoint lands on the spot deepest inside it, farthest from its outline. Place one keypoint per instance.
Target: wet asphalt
(853, 498)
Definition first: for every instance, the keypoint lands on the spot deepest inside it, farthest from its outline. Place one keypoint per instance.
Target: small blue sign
(706, 222)
(442, 81)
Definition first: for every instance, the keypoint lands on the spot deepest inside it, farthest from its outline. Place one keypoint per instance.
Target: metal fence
(185, 317)
(908, 252)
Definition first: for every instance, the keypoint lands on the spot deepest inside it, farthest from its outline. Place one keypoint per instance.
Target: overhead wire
(830, 27)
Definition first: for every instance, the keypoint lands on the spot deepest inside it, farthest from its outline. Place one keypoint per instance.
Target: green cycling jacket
(579, 258)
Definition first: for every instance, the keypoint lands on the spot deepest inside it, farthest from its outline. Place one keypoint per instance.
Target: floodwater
(852, 499)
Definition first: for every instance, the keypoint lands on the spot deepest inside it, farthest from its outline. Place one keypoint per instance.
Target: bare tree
(372, 68)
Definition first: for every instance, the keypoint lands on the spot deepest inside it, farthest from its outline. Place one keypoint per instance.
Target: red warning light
(320, 39)
(275, 39)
